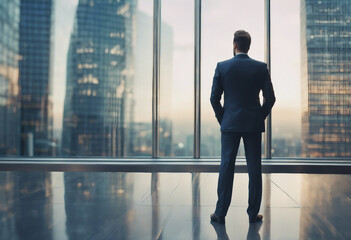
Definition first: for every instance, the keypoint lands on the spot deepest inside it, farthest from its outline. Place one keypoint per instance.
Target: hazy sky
(64, 15)
(220, 18)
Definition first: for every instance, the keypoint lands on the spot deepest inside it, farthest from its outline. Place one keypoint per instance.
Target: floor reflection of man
(253, 232)
(220, 231)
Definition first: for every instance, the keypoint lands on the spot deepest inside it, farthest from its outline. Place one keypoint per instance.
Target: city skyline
(183, 47)
(177, 72)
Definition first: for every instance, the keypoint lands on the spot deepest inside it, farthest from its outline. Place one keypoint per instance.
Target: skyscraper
(35, 70)
(98, 108)
(9, 91)
(326, 78)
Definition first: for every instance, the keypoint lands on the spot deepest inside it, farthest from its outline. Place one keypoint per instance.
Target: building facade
(9, 89)
(98, 108)
(326, 78)
(35, 73)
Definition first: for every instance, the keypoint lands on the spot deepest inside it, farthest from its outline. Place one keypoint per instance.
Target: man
(242, 116)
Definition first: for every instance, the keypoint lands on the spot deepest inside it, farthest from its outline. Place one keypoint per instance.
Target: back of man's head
(242, 39)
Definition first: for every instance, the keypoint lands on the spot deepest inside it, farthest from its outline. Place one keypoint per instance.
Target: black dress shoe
(217, 219)
(255, 219)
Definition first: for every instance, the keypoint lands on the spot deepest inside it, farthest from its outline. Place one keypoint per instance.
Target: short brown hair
(242, 40)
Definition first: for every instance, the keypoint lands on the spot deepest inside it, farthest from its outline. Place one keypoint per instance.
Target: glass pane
(9, 85)
(285, 71)
(177, 78)
(142, 90)
(75, 78)
(311, 54)
(220, 20)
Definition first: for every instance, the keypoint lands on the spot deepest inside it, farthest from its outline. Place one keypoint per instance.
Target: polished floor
(60, 206)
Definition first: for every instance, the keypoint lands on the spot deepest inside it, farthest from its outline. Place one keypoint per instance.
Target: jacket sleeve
(268, 94)
(216, 95)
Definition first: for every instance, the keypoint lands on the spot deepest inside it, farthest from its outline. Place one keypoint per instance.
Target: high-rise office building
(9, 90)
(98, 108)
(326, 78)
(35, 70)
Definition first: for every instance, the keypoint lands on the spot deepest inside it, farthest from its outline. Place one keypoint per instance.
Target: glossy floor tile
(70, 206)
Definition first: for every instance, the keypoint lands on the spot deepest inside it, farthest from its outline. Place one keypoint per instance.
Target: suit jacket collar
(241, 56)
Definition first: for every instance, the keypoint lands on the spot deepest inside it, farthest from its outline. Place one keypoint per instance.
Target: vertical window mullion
(197, 80)
(267, 27)
(156, 78)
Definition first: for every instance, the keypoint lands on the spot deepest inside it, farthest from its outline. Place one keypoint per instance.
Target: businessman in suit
(241, 79)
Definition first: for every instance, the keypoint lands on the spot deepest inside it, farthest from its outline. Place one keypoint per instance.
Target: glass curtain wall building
(98, 109)
(326, 78)
(35, 77)
(9, 88)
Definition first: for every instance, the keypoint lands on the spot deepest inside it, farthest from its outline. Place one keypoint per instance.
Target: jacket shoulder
(258, 62)
(225, 62)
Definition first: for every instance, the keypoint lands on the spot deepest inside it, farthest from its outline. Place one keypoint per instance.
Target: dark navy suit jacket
(241, 79)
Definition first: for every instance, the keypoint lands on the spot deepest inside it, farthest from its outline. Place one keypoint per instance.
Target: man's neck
(240, 53)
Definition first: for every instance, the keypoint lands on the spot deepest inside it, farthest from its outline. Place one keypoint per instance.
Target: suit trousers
(230, 143)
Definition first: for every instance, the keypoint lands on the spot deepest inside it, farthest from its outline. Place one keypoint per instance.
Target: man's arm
(268, 95)
(216, 94)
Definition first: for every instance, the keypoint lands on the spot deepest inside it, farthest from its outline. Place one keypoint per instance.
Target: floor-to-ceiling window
(76, 77)
(220, 19)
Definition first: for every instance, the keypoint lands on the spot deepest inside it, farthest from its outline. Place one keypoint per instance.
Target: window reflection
(26, 205)
(155, 204)
(196, 203)
(37, 205)
(324, 204)
(93, 201)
